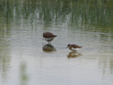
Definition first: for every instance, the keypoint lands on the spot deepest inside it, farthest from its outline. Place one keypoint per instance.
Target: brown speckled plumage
(72, 47)
(48, 36)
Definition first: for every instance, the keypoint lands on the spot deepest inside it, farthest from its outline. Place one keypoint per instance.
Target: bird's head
(68, 45)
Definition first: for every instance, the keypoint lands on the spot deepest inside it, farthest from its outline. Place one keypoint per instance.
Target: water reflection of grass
(86, 12)
(4, 58)
(83, 13)
(106, 64)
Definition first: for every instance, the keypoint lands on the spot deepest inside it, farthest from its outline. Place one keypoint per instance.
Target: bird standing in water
(48, 36)
(73, 47)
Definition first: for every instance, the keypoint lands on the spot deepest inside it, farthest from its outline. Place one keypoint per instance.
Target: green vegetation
(97, 13)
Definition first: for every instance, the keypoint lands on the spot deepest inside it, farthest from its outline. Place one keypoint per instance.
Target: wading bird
(48, 36)
(73, 47)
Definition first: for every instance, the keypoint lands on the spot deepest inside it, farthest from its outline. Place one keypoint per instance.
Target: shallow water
(25, 59)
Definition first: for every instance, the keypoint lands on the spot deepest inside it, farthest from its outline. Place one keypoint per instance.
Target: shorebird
(73, 47)
(48, 36)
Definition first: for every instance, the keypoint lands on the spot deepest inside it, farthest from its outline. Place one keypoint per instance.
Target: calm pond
(27, 59)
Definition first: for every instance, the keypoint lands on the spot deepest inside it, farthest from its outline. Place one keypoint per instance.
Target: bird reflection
(48, 48)
(73, 54)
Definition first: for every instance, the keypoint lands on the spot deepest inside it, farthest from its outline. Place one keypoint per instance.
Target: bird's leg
(49, 42)
(74, 51)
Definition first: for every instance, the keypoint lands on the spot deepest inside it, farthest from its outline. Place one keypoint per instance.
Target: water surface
(24, 59)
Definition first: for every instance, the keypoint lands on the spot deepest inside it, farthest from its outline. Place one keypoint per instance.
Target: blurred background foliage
(82, 13)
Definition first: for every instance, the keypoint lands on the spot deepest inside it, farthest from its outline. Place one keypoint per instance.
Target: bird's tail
(55, 35)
